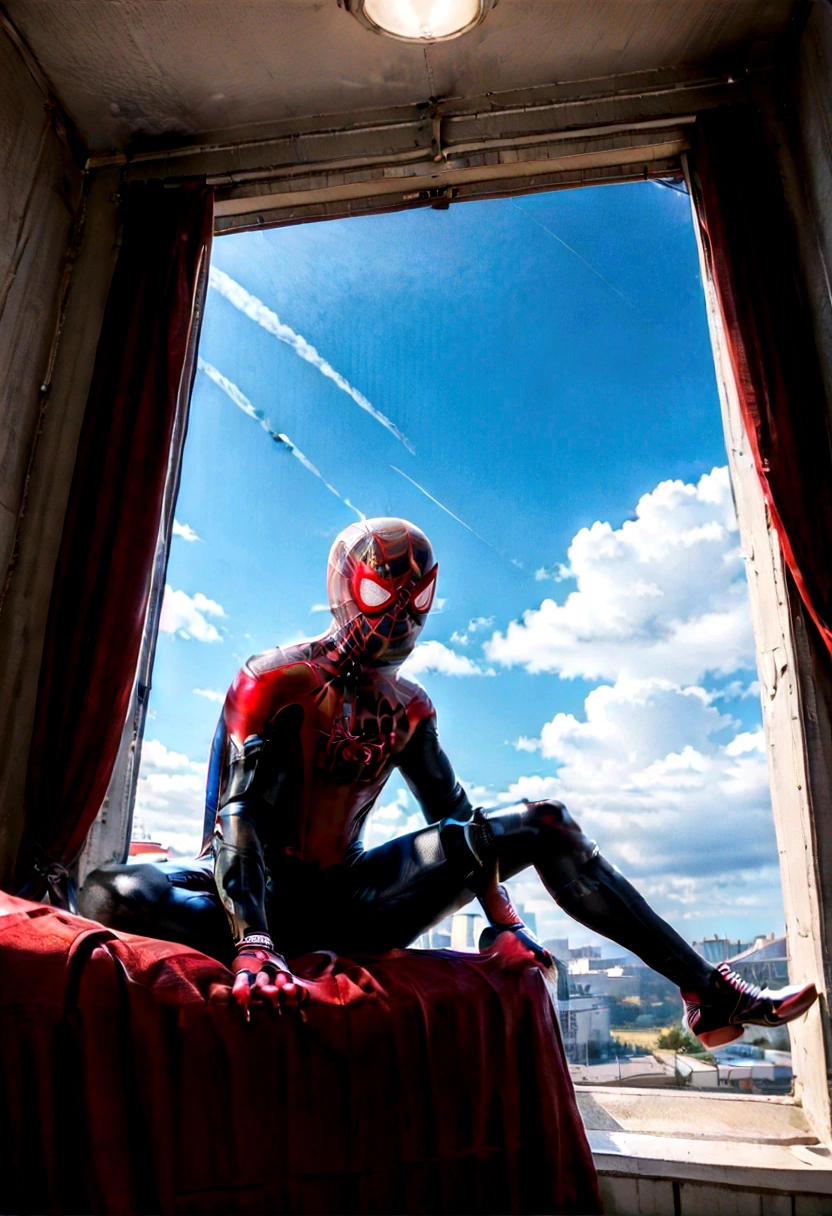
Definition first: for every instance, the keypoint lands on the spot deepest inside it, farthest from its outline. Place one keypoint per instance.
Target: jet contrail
(580, 258)
(442, 507)
(307, 464)
(258, 312)
(237, 396)
(242, 402)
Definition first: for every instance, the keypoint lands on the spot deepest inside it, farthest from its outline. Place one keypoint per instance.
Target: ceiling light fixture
(419, 20)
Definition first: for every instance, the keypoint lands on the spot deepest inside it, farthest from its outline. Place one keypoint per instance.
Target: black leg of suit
(174, 903)
(384, 897)
(588, 888)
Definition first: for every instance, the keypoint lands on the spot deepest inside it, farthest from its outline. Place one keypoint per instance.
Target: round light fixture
(419, 20)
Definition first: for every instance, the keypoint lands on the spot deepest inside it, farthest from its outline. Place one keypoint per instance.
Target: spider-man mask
(381, 580)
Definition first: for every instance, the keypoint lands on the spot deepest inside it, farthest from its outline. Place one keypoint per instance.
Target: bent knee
(549, 813)
(553, 821)
(112, 890)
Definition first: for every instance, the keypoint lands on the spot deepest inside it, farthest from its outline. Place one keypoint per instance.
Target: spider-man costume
(306, 741)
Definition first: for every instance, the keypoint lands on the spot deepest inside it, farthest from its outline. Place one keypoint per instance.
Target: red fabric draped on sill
(421, 1082)
(102, 579)
(749, 245)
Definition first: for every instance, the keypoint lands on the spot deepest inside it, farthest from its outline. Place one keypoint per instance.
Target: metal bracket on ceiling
(439, 197)
(433, 107)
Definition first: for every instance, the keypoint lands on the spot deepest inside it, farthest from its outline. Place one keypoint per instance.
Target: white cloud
(184, 531)
(674, 791)
(156, 758)
(211, 694)
(392, 819)
(634, 721)
(320, 608)
(186, 615)
(436, 657)
(663, 595)
(748, 741)
(462, 638)
(479, 622)
(170, 797)
(524, 744)
(556, 573)
(674, 794)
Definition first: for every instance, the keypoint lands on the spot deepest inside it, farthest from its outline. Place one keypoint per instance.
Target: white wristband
(261, 940)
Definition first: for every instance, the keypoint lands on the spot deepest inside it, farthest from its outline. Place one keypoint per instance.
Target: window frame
(563, 163)
(783, 720)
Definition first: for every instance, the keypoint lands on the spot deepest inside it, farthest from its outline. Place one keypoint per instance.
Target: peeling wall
(53, 286)
(40, 196)
(40, 202)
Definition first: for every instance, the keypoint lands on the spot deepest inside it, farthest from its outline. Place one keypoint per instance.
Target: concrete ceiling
(137, 71)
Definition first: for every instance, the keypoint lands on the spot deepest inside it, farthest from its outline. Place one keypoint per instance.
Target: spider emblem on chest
(363, 737)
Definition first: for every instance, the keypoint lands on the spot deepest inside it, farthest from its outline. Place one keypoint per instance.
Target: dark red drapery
(421, 1082)
(751, 250)
(102, 579)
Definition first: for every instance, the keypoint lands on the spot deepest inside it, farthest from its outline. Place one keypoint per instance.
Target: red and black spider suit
(307, 739)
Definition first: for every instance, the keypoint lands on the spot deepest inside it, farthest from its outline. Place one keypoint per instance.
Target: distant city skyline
(549, 416)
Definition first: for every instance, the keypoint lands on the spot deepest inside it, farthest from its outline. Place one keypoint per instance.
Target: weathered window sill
(685, 1154)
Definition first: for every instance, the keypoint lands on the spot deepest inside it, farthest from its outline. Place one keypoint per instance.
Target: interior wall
(41, 201)
(57, 251)
(40, 197)
(25, 610)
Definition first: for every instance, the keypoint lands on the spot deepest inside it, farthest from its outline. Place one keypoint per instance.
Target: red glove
(519, 936)
(500, 911)
(261, 974)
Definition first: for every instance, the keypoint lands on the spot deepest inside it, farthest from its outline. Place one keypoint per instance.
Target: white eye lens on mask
(373, 595)
(423, 600)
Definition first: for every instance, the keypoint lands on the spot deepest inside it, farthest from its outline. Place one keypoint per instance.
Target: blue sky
(547, 361)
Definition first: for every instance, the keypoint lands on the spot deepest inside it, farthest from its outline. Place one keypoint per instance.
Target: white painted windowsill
(793, 1169)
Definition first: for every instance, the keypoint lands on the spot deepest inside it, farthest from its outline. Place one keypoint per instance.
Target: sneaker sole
(718, 1038)
(788, 1011)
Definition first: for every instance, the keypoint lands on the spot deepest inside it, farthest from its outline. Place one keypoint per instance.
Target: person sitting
(307, 739)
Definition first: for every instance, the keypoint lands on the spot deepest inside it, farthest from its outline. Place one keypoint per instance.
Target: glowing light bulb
(420, 20)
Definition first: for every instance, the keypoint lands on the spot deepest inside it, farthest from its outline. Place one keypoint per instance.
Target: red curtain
(750, 246)
(422, 1081)
(142, 375)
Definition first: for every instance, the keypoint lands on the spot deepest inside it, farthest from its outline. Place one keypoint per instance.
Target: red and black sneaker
(717, 1015)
